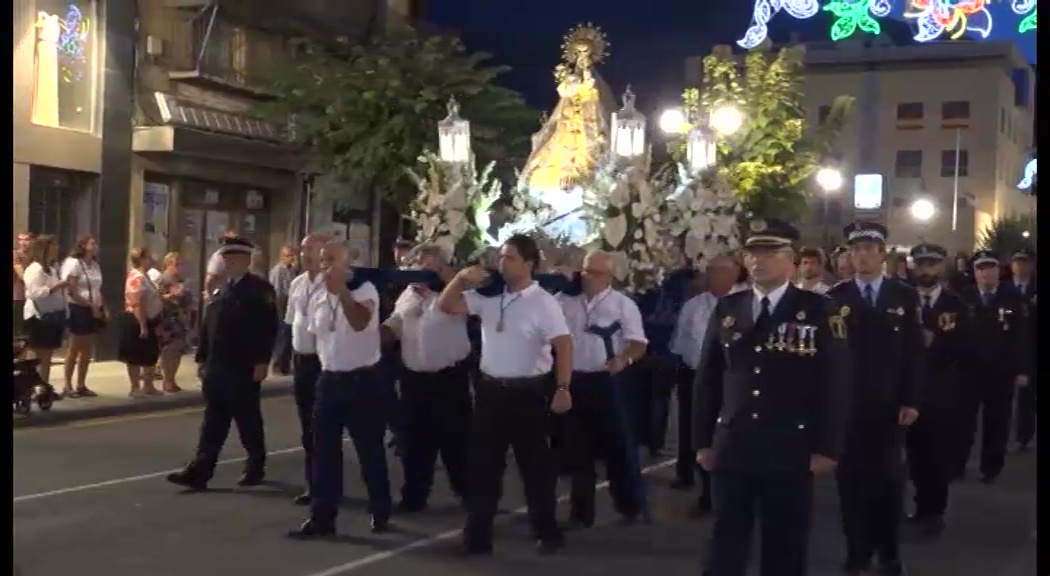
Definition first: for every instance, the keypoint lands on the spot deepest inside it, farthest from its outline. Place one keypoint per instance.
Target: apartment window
(65, 77)
(822, 113)
(948, 163)
(955, 110)
(909, 111)
(908, 164)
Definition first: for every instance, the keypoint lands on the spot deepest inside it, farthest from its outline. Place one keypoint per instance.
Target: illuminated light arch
(934, 18)
(72, 44)
(764, 12)
(857, 15)
(1026, 8)
(1028, 178)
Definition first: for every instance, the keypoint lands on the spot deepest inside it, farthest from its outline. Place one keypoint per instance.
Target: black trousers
(929, 463)
(686, 468)
(658, 379)
(1024, 425)
(991, 394)
(782, 501)
(306, 368)
(282, 348)
(230, 397)
(436, 407)
(510, 414)
(597, 431)
(871, 503)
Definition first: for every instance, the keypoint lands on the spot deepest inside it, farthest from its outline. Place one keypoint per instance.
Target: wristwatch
(562, 386)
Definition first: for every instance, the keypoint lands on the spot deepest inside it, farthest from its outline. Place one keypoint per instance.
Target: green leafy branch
(851, 16)
(1027, 24)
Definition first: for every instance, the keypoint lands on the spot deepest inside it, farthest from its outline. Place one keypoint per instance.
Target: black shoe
(252, 478)
(188, 479)
(681, 484)
(477, 548)
(547, 546)
(409, 507)
(379, 525)
(894, 568)
(931, 527)
(855, 568)
(989, 478)
(579, 521)
(1022, 447)
(701, 510)
(312, 529)
(303, 499)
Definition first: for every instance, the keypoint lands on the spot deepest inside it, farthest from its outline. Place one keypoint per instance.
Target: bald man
(306, 366)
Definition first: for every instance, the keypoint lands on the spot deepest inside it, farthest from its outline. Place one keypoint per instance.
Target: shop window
(65, 82)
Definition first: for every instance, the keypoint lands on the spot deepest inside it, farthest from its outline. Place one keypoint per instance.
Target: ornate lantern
(454, 136)
(700, 149)
(628, 129)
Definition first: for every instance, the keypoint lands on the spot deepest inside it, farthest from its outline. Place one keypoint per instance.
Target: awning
(221, 147)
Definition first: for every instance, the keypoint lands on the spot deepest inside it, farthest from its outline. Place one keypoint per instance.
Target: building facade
(947, 123)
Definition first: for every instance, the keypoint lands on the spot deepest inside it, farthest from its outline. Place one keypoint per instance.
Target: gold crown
(585, 39)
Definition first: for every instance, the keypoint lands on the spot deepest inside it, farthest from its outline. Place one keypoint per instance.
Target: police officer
(1024, 281)
(350, 396)
(885, 336)
(236, 342)
(1000, 318)
(607, 337)
(771, 404)
(435, 386)
(948, 338)
(512, 401)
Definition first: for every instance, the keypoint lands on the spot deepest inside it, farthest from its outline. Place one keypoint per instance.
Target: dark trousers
(597, 432)
(282, 348)
(437, 408)
(991, 394)
(782, 500)
(510, 414)
(928, 444)
(871, 503)
(1024, 425)
(306, 368)
(686, 468)
(230, 397)
(658, 379)
(357, 402)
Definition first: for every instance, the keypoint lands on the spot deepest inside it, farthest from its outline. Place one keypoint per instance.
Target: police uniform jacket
(889, 363)
(768, 397)
(239, 326)
(949, 333)
(1031, 333)
(1001, 328)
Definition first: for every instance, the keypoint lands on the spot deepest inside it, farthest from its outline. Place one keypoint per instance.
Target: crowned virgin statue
(567, 149)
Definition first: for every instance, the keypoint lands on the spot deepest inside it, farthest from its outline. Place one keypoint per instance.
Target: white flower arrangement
(703, 212)
(452, 206)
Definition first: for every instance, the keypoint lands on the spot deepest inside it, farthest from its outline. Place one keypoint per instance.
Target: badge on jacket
(946, 321)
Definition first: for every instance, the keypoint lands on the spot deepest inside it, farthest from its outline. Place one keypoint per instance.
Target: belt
(590, 375)
(445, 370)
(517, 382)
(360, 370)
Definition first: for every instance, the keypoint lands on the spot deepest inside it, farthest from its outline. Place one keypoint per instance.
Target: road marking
(129, 479)
(448, 535)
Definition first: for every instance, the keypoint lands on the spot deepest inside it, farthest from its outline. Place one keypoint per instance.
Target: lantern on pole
(454, 136)
(628, 129)
(700, 149)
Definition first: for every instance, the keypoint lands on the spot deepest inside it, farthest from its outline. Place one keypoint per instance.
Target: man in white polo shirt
(519, 327)
(435, 386)
(350, 396)
(306, 366)
(607, 337)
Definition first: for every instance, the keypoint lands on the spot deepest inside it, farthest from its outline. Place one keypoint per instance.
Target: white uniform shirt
(692, 326)
(300, 292)
(430, 339)
(774, 298)
(531, 319)
(819, 287)
(605, 308)
(89, 278)
(339, 347)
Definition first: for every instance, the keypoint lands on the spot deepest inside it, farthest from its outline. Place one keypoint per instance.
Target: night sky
(649, 40)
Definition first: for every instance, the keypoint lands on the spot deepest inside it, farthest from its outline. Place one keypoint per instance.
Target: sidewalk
(110, 381)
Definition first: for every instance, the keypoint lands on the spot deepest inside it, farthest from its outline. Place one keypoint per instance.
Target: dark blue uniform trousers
(357, 402)
(598, 431)
(230, 396)
(306, 368)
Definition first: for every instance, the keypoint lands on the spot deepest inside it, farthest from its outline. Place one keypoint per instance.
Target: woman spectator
(20, 259)
(87, 314)
(175, 321)
(45, 309)
(142, 312)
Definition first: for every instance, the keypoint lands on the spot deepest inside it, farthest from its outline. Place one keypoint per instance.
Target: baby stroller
(27, 386)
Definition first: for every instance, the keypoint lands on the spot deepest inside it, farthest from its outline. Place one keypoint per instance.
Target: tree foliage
(368, 111)
(1007, 235)
(771, 159)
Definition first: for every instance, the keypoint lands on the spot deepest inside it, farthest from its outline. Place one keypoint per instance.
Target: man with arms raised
(771, 404)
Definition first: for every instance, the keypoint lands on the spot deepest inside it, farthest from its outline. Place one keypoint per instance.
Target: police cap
(985, 258)
(236, 245)
(928, 253)
(865, 232)
(770, 233)
(1023, 254)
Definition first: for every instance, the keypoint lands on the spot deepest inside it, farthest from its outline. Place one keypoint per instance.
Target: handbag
(102, 318)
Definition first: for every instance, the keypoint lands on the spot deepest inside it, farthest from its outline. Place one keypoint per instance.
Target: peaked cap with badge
(770, 233)
(926, 252)
(985, 257)
(865, 232)
(1023, 254)
(236, 245)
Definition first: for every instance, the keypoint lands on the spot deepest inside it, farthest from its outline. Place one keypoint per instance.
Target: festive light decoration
(72, 44)
(1026, 8)
(1029, 176)
(935, 18)
(764, 12)
(857, 14)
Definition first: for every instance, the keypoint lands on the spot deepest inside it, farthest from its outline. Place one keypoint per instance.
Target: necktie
(927, 308)
(869, 294)
(763, 315)
(986, 298)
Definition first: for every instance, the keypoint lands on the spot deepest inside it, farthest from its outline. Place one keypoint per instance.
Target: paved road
(90, 500)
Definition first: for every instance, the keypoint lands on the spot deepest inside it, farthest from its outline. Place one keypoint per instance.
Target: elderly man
(435, 385)
(281, 279)
(607, 336)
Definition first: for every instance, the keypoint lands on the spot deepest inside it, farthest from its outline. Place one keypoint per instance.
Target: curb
(36, 418)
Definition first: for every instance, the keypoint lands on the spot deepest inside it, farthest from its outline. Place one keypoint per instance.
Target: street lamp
(1025, 234)
(700, 149)
(922, 210)
(727, 119)
(454, 136)
(628, 129)
(672, 121)
(829, 179)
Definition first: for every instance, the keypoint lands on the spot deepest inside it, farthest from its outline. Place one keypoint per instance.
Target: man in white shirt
(350, 396)
(281, 276)
(519, 328)
(306, 366)
(811, 270)
(721, 275)
(434, 384)
(607, 337)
